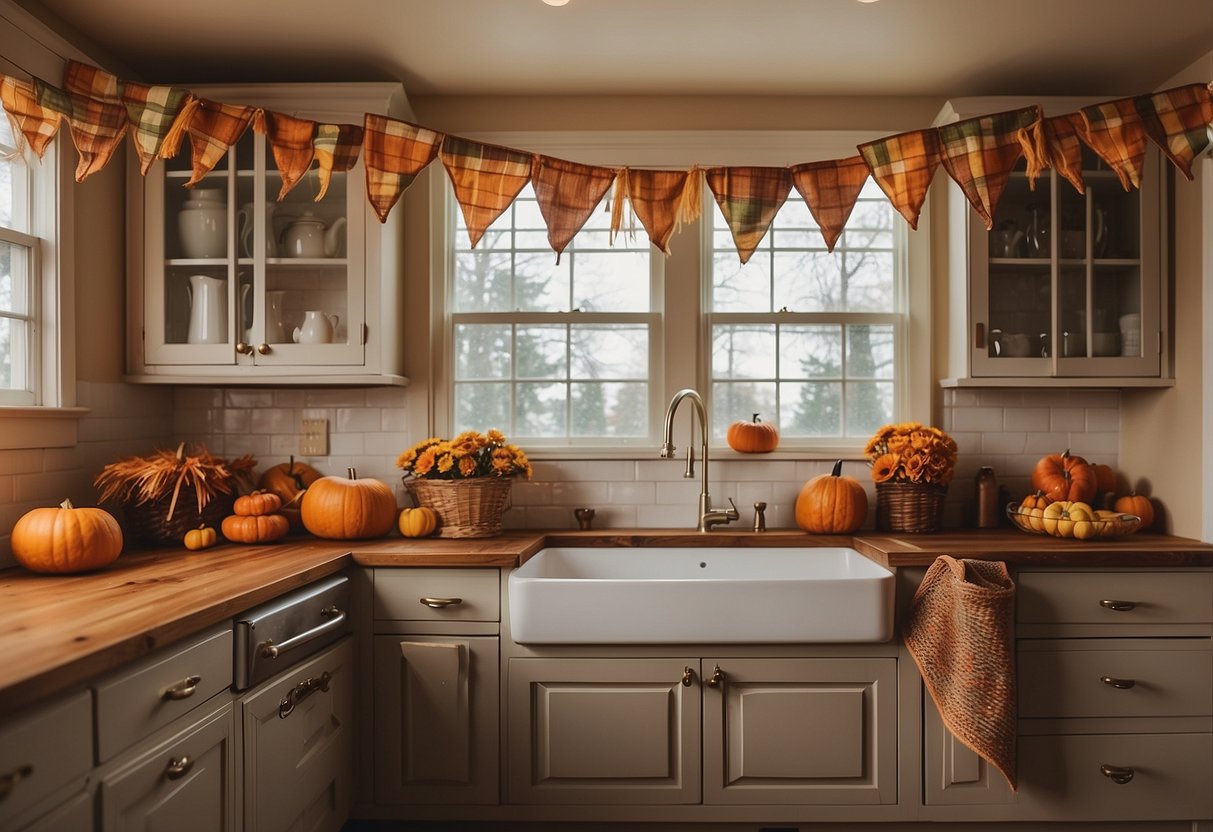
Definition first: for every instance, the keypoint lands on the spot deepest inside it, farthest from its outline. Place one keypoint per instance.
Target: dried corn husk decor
(169, 492)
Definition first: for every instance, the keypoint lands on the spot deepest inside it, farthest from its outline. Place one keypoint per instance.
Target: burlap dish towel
(960, 631)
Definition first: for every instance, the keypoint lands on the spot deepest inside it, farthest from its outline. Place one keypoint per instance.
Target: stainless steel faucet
(708, 516)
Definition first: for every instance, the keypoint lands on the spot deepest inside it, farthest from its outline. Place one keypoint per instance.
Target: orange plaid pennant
(1179, 121)
(290, 141)
(902, 166)
(337, 147)
(1063, 147)
(1114, 130)
(830, 189)
(661, 199)
(96, 127)
(213, 128)
(979, 154)
(396, 152)
(486, 179)
(30, 120)
(749, 198)
(567, 193)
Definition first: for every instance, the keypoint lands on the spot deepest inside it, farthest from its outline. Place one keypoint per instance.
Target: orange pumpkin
(288, 480)
(1064, 477)
(257, 503)
(753, 437)
(1105, 477)
(418, 522)
(831, 504)
(1134, 503)
(1036, 500)
(348, 509)
(66, 539)
(254, 528)
(203, 537)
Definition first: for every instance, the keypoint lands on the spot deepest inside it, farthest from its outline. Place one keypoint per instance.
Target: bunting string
(979, 154)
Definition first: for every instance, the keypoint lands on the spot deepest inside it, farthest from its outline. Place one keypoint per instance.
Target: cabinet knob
(1117, 774)
(263, 349)
(244, 349)
(181, 690)
(439, 603)
(716, 679)
(688, 676)
(1118, 606)
(11, 778)
(1119, 684)
(178, 767)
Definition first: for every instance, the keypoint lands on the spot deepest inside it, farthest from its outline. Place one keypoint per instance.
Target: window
(557, 353)
(18, 291)
(807, 338)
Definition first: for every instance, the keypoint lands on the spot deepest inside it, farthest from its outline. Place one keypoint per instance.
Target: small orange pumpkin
(348, 508)
(254, 528)
(1064, 477)
(1139, 504)
(203, 537)
(1036, 500)
(1105, 477)
(288, 480)
(418, 522)
(257, 503)
(66, 539)
(753, 437)
(831, 504)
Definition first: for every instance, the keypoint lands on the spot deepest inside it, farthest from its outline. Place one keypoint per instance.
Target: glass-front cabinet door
(1066, 283)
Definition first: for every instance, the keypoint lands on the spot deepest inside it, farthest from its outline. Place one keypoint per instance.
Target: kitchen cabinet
(768, 731)
(1067, 288)
(228, 284)
(45, 756)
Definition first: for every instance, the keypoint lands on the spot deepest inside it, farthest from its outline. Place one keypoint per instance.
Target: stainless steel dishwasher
(295, 662)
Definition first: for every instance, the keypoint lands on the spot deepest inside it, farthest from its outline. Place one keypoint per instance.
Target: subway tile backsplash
(1007, 429)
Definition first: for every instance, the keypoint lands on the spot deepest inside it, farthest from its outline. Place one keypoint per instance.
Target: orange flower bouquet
(912, 465)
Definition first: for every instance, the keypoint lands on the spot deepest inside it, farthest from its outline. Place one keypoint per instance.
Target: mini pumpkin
(1139, 504)
(350, 508)
(1064, 477)
(1035, 500)
(257, 503)
(831, 503)
(254, 528)
(66, 539)
(418, 522)
(203, 537)
(752, 437)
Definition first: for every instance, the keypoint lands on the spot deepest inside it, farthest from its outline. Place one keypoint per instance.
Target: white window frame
(685, 292)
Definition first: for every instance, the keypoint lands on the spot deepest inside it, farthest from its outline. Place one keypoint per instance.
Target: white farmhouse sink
(678, 596)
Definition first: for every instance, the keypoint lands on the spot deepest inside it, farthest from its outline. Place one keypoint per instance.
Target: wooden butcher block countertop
(57, 632)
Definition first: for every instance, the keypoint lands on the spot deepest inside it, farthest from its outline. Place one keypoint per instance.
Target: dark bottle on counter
(987, 499)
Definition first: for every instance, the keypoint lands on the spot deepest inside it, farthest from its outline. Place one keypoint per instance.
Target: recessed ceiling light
(565, 2)
(861, 1)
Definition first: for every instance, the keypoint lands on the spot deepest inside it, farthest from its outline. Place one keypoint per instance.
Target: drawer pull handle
(1119, 606)
(12, 778)
(688, 676)
(1119, 684)
(717, 678)
(335, 617)
(184, 689)
(1116, 774)
(178, 767)
(302, 691)
(439, 603)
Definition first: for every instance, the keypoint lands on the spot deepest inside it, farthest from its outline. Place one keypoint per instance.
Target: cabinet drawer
(42, 752)
(139, 699)
(1061, 777)
(1144, 677)
(1115, 597)
(456, 594)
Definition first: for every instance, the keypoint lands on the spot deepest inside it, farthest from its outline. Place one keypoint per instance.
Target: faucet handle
(732, 513)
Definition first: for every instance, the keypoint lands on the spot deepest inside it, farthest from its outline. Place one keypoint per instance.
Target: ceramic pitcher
(318, 328)
(202, 224)
(208, 310)
(307, 236)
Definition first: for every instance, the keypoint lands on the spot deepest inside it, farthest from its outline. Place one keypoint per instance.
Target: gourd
(418, 522)
(1105, 477)
(288, 479)
(753, 437)
(203, 537)
(348, 509)
(257, 503)
(1134, 503)
(65, 539)
(254, 528)
(1064, 477)
(831, 503)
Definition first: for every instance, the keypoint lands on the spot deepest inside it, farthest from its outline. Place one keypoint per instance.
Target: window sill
(717, 453)
(39, 427)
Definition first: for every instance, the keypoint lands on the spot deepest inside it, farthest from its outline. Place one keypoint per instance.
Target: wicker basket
(149, 523)
(909, 506)
(465, 508)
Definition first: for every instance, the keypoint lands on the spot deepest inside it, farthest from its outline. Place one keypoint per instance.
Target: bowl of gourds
(1072, 519)
(1067, 491)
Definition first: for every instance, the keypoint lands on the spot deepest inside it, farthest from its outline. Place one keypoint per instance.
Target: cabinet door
(299, 746)
(603, 731)
(186, 783)
(953, 774)
(800, 731)
(436, 719)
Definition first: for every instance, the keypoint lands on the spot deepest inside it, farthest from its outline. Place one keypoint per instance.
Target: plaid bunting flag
(30, 120)
(150, 110)
(661, 199)
(830, 189)
(290, 141)
(486, 179)
(395, 153)
(902, 166)
(979, 153)
(96, 127)
(567, 193)
(1063, 147)
(213, 128)
(1179, 121)
(749, 198)
(1114, 130)
(337, 147)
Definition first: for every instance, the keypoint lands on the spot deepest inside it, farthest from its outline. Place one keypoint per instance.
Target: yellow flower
(424, 463)
(884, 467)
(467, 466)
(445, 463)
(495, 437)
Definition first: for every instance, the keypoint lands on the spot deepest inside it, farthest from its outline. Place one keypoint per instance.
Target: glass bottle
(987, 498)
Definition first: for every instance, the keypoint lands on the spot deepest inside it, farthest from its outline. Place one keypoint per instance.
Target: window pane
(542, 351)
(481, 406)
(482, 281)
(610, 281)
(540, 284)
(739, 401)
(6, 354)
(869, 405)
(6, 185)
(738, 288)
(810, 351)
(811, 409)
(610, 409)
(539, 410)
(482, 352)
(743, 352)
(610, 352)
(870, 352)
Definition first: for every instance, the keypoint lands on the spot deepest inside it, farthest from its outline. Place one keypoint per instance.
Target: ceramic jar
(202, 224)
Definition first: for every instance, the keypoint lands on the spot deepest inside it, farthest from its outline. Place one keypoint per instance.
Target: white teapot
(307, 236)
(318, 328)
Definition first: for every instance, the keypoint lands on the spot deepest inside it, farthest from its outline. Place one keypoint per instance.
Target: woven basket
(909, 506)
(465, 508)
(149, 523)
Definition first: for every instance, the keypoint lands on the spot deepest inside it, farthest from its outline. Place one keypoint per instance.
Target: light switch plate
(314, 437)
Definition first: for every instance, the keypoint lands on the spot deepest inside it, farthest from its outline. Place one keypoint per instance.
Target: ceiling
(942, 48)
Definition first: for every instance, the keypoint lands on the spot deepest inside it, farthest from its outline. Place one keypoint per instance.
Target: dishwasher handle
(336, 618)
